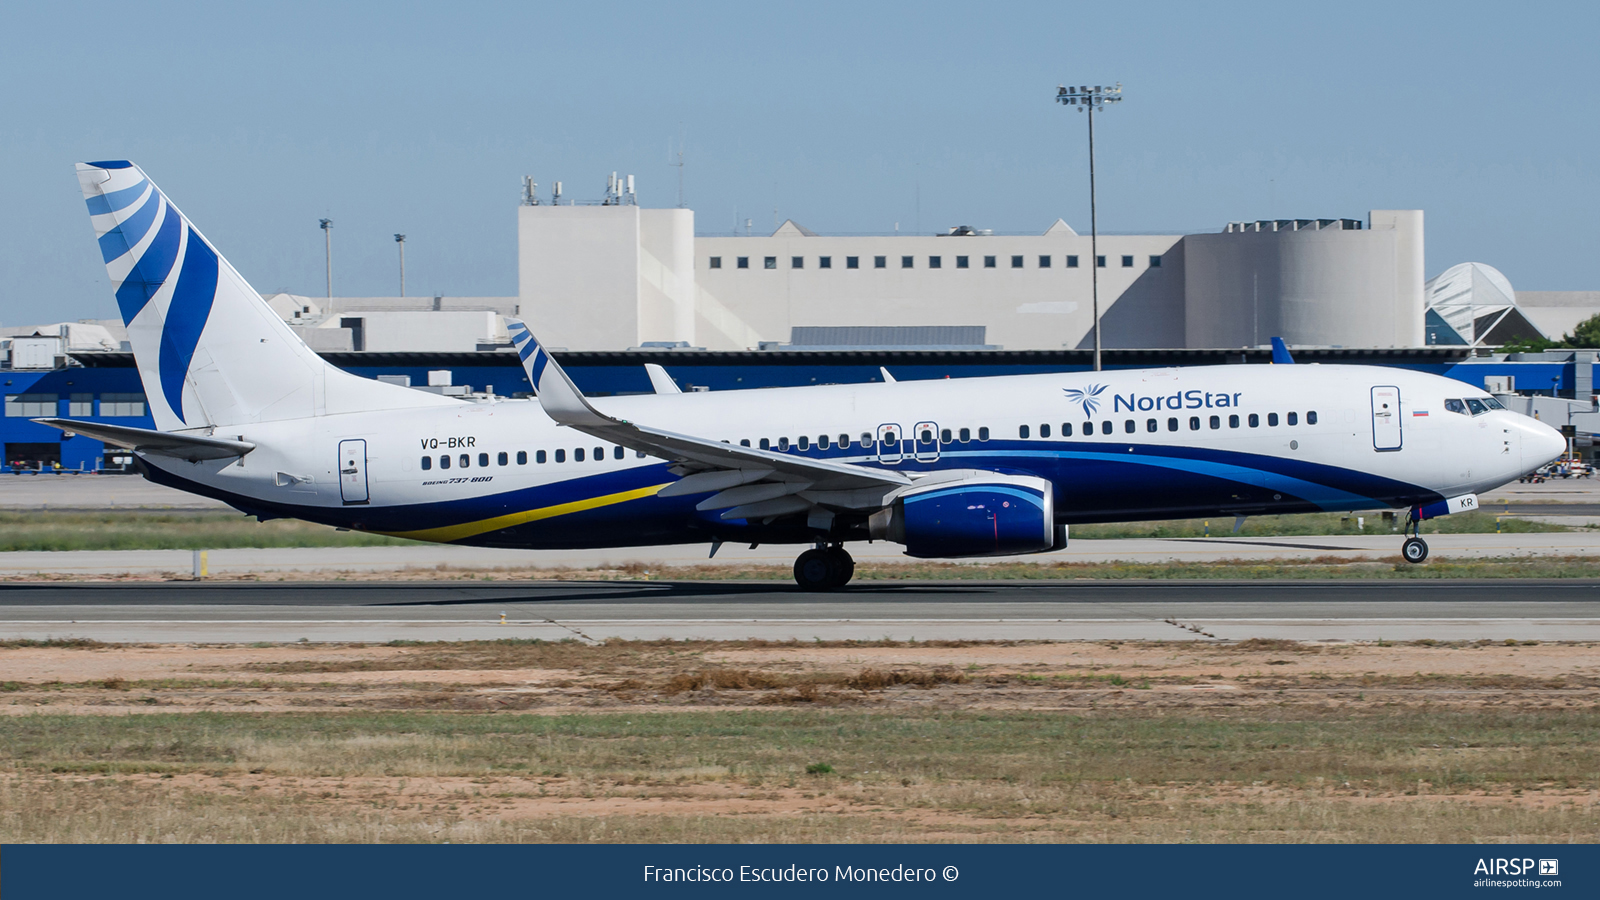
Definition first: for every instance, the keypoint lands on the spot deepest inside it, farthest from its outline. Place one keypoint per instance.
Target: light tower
(1092, 100)
(400, 239)
(327, 239)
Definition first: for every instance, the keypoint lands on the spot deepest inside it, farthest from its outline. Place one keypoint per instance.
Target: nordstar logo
(1088, 397)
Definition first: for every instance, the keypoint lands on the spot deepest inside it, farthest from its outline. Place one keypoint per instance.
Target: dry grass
(1262, 740)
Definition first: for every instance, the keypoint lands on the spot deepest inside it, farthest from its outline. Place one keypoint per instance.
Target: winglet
(1280, 353)
(660, 381)
(560, 398)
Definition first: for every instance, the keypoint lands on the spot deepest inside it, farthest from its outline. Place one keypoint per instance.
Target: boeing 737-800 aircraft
(246, 413)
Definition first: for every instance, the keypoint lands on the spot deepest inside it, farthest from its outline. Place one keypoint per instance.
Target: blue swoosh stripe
(1033, 498)
(526, 350)
(152, 269)
(1320, 494)
(106, 203)
(112, 164)
(539, 364)
(127, 235)
(186, 318)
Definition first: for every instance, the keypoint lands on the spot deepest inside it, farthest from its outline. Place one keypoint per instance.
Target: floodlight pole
(401, 240)
(327, 240)
(1092, 101)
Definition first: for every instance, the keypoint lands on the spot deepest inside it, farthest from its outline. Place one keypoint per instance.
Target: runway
(1545, 610)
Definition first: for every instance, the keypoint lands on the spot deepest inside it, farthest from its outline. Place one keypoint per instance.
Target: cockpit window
(1476, 406)
(1492, 403)
(1455, 406)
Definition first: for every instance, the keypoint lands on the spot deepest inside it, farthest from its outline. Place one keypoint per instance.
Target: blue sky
(848, 117)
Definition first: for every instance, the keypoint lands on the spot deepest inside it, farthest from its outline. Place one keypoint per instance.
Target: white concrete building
(615, 276)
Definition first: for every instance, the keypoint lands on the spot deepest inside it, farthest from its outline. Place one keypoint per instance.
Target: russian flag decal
(1419, 412)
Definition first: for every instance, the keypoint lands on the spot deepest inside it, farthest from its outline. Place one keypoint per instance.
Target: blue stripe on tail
(186, 318)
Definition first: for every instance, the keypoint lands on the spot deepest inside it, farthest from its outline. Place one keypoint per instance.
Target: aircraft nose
(1540, 444)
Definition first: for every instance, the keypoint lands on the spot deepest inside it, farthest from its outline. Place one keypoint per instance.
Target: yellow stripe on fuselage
(449, 533)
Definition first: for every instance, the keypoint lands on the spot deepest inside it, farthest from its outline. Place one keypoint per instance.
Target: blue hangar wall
(105, 387)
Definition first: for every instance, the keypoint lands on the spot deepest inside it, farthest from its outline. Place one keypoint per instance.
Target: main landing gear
(1415, 549)
(824, 568)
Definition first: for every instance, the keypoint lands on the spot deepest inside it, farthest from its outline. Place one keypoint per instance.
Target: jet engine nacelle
(988, 515)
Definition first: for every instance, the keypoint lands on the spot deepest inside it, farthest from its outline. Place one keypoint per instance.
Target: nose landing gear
(1415, 549)
(824, 568)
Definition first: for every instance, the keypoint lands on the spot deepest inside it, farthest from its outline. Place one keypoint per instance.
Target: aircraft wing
(749, 482)
(191, 447)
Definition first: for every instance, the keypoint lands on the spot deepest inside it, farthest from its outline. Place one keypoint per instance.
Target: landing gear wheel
(815, 570)
(844, 567)
(1415, 550)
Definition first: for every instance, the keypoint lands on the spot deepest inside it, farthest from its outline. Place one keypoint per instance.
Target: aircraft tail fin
(209, 349)
(1280, 353)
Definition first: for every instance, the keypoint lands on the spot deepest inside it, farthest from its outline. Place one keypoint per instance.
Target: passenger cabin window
(966, 435)
(783, 443)
(618, 453)
(427, 463)
(599, 454)
(444, 461)
(1022, 432)
(766, 444)
(1151, 425)
(466, 460)
(866, 440)
(483, 460)
(844, 442)
(522, 458)
(983, 434)
(925, 436)
(1233, 421)
(804, 443)
(539, 457)
(944, 436)
(1194, 423)
(561, 456)
(1293, 418)
(577, 455)
(1172, 424)
(1255, 421)
(1311, 417)
(1066, 429)
(1272, 419)
(1044, 431)
(744, 442)
(1216, 422)
(503, 459)
(1105, 427)
(1128, 426)
(824, 441)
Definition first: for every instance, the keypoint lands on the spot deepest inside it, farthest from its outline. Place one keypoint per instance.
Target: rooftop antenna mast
(679, 166)
(530, 191)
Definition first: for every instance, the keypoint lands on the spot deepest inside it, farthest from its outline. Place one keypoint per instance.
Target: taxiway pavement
(1545, 610)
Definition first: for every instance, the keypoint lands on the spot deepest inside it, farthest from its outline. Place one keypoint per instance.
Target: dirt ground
(112, 678)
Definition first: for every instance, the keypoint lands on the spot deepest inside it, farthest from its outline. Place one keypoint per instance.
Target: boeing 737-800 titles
(247, 413)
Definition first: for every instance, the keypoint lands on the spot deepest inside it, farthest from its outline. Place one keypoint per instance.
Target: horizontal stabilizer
(159, 443)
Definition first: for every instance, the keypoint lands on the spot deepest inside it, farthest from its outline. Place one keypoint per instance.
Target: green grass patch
(129, 529)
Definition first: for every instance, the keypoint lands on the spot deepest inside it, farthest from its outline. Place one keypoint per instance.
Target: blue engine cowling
(997, 515)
